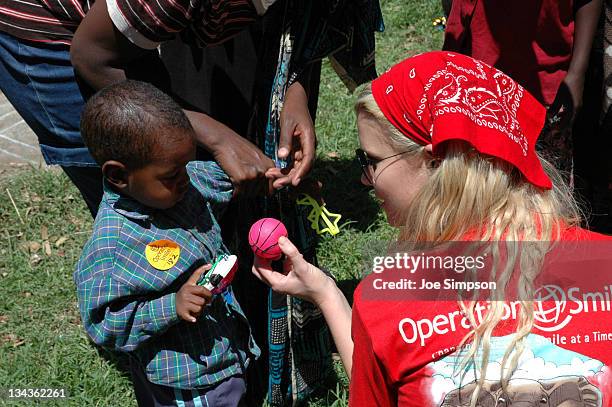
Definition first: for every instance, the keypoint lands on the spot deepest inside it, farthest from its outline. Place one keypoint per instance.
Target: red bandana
(439, 96)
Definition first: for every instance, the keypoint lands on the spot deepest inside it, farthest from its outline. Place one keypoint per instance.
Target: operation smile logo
(552, 301)
(555, 307)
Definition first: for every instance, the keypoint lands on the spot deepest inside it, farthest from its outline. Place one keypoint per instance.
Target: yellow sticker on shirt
(162, 254)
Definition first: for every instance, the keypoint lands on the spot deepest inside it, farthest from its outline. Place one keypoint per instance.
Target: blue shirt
(128, 305)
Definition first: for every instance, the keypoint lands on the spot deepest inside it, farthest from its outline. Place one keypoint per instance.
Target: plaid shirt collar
(125, 205)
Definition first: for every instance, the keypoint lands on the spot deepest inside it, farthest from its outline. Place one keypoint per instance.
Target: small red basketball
(263, 238)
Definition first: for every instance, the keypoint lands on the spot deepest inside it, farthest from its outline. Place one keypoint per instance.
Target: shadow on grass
(120, 361)
(345, 194)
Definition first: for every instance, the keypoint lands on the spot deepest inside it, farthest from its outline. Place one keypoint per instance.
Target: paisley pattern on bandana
(493, 108)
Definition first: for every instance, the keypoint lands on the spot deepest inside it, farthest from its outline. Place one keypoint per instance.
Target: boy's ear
(116, 174)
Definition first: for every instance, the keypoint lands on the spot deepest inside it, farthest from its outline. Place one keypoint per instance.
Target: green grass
(42, 342)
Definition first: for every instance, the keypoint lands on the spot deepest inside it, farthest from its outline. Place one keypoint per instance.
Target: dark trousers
(89, 182)
(228, 393)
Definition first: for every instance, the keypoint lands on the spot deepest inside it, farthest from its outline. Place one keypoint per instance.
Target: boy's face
(163, 182)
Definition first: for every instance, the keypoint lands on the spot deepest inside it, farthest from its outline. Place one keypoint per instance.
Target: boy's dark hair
(126, 122)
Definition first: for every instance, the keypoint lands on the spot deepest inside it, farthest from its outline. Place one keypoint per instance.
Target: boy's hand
(191, 299)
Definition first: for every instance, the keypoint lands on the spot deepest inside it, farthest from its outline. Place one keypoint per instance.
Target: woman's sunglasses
(368, 165)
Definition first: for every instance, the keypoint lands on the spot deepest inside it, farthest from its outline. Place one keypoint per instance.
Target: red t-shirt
(531, 41)
(405, 352)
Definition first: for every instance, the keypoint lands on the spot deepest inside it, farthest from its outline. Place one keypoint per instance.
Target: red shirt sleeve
(369, 385)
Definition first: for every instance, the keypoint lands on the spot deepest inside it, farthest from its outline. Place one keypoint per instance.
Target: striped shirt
(128, 305)
(146, 23)
(53, 21)
(211, 22)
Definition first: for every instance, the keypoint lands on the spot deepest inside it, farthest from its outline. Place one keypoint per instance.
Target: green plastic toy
(321, 220)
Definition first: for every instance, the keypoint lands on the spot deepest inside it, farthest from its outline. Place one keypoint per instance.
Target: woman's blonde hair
(467, 193)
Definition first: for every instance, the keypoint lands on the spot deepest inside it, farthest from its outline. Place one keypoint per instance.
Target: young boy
(153, 237)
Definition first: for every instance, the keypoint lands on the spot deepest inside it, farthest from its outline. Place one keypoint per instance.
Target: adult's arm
(586, 20)
(337, 313)
(303, 94)
(306, 281)
(297, 136)
(100, 54)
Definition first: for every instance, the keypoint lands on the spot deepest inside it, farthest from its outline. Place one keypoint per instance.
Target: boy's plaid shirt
(128, 305)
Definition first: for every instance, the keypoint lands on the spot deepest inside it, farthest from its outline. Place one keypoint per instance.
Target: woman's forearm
(337, 313)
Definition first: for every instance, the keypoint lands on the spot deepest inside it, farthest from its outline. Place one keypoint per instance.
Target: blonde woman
(447, 143)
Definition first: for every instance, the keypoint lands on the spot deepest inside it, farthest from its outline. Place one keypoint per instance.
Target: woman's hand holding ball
(301, 279)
